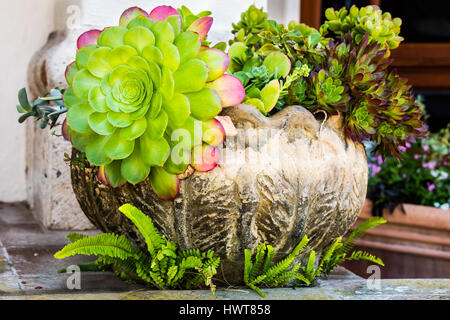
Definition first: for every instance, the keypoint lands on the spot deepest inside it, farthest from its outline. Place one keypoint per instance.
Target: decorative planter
(318, 189)
(412, 244)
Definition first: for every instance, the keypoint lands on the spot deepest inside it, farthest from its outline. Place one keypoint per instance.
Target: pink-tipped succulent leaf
(201, 26)
(213, 132)
(71, 70)
(162, 12)
(131, 14)
(229, 88)
(101, 175)
(65, 130)
(164, 184)
(89, 38)
(205, 157)
(216, 60)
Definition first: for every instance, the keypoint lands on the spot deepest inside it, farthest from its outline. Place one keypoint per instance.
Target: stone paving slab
(412, 289)
(28, 270)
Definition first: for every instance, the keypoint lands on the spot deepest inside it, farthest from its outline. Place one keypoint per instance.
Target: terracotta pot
(413, 244)
(318, 189)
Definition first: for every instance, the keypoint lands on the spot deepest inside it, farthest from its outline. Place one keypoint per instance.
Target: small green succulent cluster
(260, 73)
(133, 87)
(253, 21)
(342, 69)
(46, 109)
(380, 26)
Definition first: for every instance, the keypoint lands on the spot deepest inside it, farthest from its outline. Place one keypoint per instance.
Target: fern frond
(101, 245)
(363, 255)
(171, 273)
(330, 258)
(370, 223)
(142, 273)
(302, 278)
(145, 225)
(128, 265)
(269, 258)
(248, 265)
(328, 253)
(308, 271)
(284, 278)
(187, 263)
(256, 289)
(73, 237)
(259, 258)
(85, 267)
(284, 265)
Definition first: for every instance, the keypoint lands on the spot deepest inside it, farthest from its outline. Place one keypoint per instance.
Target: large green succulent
(133, 87)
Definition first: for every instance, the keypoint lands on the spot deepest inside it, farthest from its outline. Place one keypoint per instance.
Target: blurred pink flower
(426, 148)
(430, 165)
(380, 160)
(374, 169)
(431, 186)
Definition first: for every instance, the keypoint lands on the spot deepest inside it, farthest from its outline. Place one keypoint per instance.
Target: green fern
(107, 244)
(145, 226)
(370, 223)
(338, 252)
(260, 271)
(72, 237)
(163, 266)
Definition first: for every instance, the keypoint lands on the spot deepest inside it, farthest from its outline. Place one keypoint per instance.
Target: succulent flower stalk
(132, 88)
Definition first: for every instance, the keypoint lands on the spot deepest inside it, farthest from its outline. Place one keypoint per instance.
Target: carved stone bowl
(302, 176)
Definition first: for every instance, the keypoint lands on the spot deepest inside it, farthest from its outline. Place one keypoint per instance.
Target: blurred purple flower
(426, 148)
(374, 169)
(404, 176)
(416, 156)
(401, 148)
(431, 186)
(430, 165)
(380, 160)
(408, 145)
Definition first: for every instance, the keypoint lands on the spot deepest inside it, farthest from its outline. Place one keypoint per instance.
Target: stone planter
(413, 244)
(317, 188)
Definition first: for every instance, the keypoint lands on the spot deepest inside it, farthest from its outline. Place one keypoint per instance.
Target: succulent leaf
(88, 38)
(201, 27)
(162, 13)
(229, 88)
(164, 184)
(130, 14)
(205, 157)
(278, 64)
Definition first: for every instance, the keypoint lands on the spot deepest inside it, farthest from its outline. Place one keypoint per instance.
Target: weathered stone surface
(338, 289)
(48, 175)
(308, 179)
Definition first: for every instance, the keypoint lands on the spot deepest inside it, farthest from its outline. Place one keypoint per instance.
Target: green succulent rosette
(133, 86)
